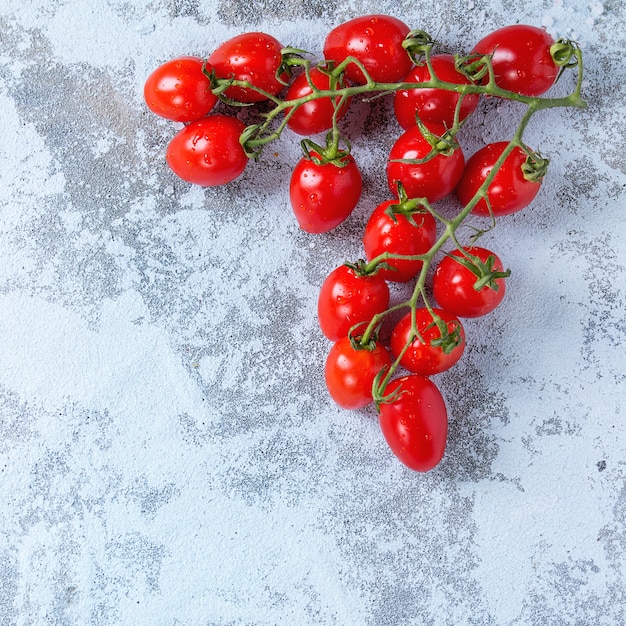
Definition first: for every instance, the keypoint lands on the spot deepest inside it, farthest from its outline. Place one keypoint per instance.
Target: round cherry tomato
(433, 179)
(415, 423)
(315, 116)
(376, 41)
(347, 298)
(207, 152)
(454, 285)
(509, 191)
(254, 57)
(179, 91)
(324, 194)
(521, 58)
(433, 106)
(349, 372)
(397, 233)
(429, 357)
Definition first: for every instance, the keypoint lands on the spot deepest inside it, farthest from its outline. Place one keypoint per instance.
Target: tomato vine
(516, 63)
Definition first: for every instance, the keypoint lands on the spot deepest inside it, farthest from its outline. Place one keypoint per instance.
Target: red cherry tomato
(254, 57)
(323, 195)
(347, 298)
(521, 58)
(427, 358)
(509, 191)
(349, 372)
(396, 233)
(376, 41)
(207, 152)
(315, 116)
(433, 106)
(433, 179)
(415, 423)
(178, 90)
(454, 285)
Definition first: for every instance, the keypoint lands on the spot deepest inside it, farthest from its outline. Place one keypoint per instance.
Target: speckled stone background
(168, 452)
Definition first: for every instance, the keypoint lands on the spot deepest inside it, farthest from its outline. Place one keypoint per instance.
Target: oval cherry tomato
(415, 423)
(207, 152)
(509, 191)
(315, 116)
(433, 179)
(347, 298)
(454, 285)
(349, 372)
(433, 106)
(178, 90)
(376, 41)
(254, 57)
(323, 195)
(427, 358)
(521, 58)
(396, 233)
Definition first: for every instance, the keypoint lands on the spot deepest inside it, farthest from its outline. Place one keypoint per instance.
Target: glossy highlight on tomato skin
(315, 116)
(178, 90)
(421, 357)
(432, 179)
(347, 298)
(508, 192)
(323, 195)
(349, 372)
(254, 57)
(521, 58)
(376, 41)
(415, 423)
(431, 105)
(207, 152)
(398, 235)
(453, 285)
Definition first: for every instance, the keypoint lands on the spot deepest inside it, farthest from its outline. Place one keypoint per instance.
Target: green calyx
(563, 53)
(407, 207)
(448, 339)
(535, 167)
(362, 268)
(418, 45)
(485, 272)
(330, 153)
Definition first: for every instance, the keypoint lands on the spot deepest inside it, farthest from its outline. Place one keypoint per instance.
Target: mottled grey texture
(168, 451)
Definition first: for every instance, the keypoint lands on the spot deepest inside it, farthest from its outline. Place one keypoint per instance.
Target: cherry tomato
(415, 423)
(396, 233)
(454, 285)
(207, 152)
(179, 91)
(376, 41)
(427, 357)
(433, 179)
(433, 106)
(347, 298)
(521, 58)
(349, 372)
(323, 195)
(509, 191)
(315, 116)
(254, 57)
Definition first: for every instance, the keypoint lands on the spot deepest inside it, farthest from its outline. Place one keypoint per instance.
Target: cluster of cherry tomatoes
(432, 96)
